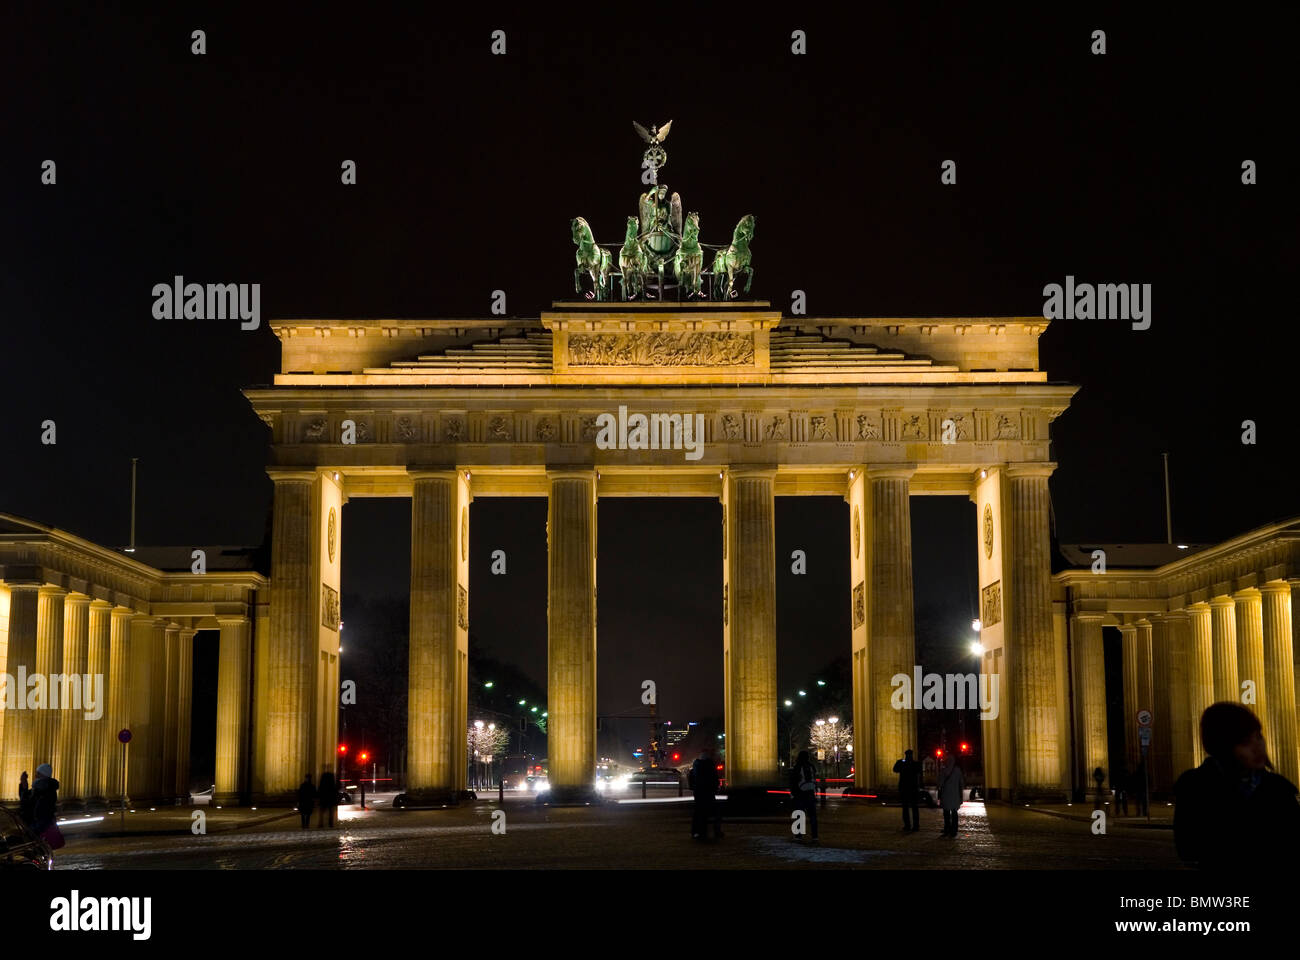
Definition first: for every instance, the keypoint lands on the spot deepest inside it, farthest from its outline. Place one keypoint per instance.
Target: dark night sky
(225, 168)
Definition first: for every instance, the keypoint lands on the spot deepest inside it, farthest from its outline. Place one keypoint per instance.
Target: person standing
(803, 787)
(909, 786)
(703, 777)
(24, 800)
(306, 800)
(363, 793)
(1233, 812)
(951, 783)
(328, 797)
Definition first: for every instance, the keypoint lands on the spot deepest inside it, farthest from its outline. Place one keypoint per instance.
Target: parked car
(20, 848)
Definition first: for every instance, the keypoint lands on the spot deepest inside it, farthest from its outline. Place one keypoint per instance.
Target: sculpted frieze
(713, 349)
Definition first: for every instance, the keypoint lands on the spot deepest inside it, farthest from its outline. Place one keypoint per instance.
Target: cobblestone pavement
(854, 834)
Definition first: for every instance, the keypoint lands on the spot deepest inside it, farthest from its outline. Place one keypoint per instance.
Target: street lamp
(976, 648)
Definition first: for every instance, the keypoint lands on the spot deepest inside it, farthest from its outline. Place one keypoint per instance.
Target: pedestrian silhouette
(909, 786)
(1139, 789)
(363, 794)
(951, 783)
(306, 800)
(703, 779)
(328, 798)
(803, 788)
(1233, 812)
(1120, 783)
(25, 800)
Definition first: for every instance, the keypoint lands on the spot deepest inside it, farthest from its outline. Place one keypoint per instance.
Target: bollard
(501, 790)
(642, 789)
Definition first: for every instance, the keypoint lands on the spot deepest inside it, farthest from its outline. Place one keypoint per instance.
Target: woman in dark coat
(1233, 812)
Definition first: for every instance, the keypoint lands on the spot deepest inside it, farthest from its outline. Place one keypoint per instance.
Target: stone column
(171, 701)
(1129, 648)
(49, 661)
(118, 709)
(1160, 759)
(1276, 615)
(1182, 729)
(233, 711)
(891, 636)
(1248, 614)
(438, 693)
(1144, 670)
(184, 710)
(1200, 670)
(72, 712)
(18, 743)
(292, 644)
(571, 634)
(145, 783)
(1033, 662)
(97, 665)
(1090, 693)
(859, 549)
(1223, 624)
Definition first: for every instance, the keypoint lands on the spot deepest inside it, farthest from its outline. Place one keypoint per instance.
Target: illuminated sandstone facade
(70, 606)
(871, 410)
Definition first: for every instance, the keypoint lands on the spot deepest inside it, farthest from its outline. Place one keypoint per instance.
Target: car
(20, 848)
(656, 775)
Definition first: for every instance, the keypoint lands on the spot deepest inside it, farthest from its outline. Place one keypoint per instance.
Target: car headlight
(543, 785)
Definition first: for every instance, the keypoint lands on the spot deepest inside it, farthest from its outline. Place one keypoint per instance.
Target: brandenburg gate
(871, 410)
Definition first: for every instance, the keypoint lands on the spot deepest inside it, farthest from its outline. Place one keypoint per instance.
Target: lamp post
(835, 734)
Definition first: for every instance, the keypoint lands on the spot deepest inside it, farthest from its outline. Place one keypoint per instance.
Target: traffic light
(938, 752)
(363, 756)
(343, 749)
(676, 757)
(965, 748)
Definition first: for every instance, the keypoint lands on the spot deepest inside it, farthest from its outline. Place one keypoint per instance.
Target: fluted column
(184, 709)
(1200, 669)
(1033, 661)
(49, 661)
(292, 644)
(118, 708)
(72, 697)
(18, 742)
(1223, 625)
(1129, 650)
(571, 633)
(233, 713)
(437, 694)
(891, 632)
(860, 650)
(171, 699)
(1248, 616)
(1090, 692)
(1182, 725)
(1276, 616)
(97, 665)
(145, 783)
(1160, 761)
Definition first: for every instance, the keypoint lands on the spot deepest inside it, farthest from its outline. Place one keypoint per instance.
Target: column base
(431, 799)
(580, 796)
(757, 801)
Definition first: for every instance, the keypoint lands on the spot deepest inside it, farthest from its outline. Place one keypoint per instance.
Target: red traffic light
(363, 757)
(676, 757)
(343, 748)
(965, 748)
(938, 752)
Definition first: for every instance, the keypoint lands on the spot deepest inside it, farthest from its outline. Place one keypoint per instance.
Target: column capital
(763, 471)
(1246, 593)
(1223, 601)
(1128, 628)
(904, 471)
(77, 598)
(1277, 586)
(1089, 615)
(32, 585)
(286, 475)
(448, 474)
(571, 473)
(98, 604)
(50, 590)
(1038, 469)
(231, 621)
(1200, 606)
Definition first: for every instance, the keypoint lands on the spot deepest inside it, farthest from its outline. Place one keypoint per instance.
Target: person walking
(1233, 812)
(328, 797)
(951, 783)
(909, 786)
(703, 780)
(803, 788)
(45, 798)
(306, 800)
(24, 800)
